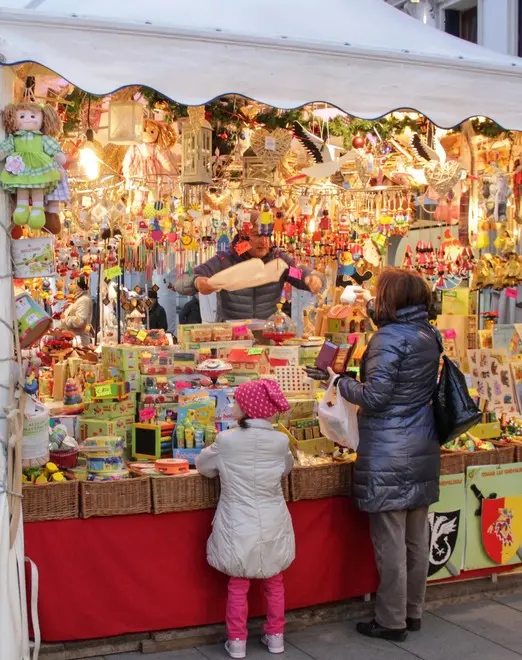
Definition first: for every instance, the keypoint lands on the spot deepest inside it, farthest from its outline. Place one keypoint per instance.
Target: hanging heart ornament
(443, 177)
(271, 147)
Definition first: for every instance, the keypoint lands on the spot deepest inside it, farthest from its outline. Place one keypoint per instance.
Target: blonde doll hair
(167, 135)
(51, 122)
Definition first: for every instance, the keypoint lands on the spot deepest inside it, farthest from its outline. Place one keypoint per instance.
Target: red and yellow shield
(502, 528)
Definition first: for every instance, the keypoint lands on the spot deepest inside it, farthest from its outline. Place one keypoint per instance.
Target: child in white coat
(252, 535)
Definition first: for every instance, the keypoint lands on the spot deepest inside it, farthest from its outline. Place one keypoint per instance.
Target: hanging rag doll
(144, 164)
(60, 195)
(33, 158)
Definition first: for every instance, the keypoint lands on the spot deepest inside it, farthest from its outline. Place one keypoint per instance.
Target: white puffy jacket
(252, 535)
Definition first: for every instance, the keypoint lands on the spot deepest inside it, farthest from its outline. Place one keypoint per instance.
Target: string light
(89, 161)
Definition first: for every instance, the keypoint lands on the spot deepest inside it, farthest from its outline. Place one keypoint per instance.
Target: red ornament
(358, 142)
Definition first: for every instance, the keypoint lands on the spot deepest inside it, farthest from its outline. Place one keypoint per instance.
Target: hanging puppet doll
(33, 158)
(153, 162)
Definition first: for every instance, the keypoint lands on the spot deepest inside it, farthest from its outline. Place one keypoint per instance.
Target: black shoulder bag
(453, 408)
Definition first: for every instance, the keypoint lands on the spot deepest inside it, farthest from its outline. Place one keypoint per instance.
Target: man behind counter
(157, 313)
(252, 302)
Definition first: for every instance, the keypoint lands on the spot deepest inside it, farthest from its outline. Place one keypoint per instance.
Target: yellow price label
(102, 390)
(113, 272)
(142, 335)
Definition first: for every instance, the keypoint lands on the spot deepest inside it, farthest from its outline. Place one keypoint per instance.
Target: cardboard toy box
(110, 409)
(122, 357)
(121, 427)
(130, 376)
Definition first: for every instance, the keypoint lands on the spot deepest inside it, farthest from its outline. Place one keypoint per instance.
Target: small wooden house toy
(249, 360)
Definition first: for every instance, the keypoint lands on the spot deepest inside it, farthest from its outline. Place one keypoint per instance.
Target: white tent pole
(13, 615)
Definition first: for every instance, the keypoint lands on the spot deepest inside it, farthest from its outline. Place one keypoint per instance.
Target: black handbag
(454, 410)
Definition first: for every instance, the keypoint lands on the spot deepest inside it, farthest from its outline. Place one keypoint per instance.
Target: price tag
(142, 335)
(242, 247)
(113, 272)
(511, 293)
(296, 273)
(255, 351)
(239, 330)
(450, 334)
(270, 143)
(102, 390)
(147, 413)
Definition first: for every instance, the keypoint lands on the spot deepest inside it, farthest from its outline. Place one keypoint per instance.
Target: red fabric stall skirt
(110, 576)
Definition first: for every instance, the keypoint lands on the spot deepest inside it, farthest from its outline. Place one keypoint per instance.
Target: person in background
(398, 459)
(250, 302)
(252, 535)
(157, 314)
(190, 314)
(77, 318)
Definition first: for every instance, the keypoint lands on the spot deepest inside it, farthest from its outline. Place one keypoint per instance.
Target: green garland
(489, 129)
(227, 121)
(385, 128)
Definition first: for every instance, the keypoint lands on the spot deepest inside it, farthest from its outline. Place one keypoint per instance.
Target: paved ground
(490, 629)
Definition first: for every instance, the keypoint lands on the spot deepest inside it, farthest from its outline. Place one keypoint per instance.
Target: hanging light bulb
(89, 161)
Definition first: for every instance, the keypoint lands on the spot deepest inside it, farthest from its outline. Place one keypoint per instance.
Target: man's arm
(310, 280)
(189, 285)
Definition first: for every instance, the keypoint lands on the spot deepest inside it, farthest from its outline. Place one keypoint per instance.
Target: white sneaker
(236, 648)
(275, 643)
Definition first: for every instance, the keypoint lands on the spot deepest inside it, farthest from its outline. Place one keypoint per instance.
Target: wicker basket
(452, 462)
(319, 481)
(497, 456)
(184, 492)
(115, 498)
(518, 453)
(53, 501)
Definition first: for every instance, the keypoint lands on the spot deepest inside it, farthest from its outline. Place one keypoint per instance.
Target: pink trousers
(237, 606)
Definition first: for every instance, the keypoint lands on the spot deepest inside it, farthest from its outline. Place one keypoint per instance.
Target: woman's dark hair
(83, 283)
(243, 422)
(397, 289)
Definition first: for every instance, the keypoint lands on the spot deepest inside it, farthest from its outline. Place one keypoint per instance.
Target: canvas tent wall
(363, 56)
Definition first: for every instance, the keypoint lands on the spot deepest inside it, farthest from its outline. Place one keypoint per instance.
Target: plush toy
(33, 158)
(145, 163)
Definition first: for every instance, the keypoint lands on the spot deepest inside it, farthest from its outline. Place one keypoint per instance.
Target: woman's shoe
(413, 625)
(373, 629)
(275, 643)
(236, 648)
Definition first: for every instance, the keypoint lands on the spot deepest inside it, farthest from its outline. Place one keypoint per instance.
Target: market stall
(147, 183)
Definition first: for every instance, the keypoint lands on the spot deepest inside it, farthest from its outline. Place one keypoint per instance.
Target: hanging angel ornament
(442, 175)
(327, 157)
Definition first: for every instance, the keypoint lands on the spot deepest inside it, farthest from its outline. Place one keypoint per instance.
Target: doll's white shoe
(236, 648)
(275, 643)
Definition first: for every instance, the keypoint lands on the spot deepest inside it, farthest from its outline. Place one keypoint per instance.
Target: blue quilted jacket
(398, 462)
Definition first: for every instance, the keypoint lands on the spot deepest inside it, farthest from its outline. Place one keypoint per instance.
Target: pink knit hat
(260, 399)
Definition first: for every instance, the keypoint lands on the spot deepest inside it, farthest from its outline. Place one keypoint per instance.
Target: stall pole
(13, 613)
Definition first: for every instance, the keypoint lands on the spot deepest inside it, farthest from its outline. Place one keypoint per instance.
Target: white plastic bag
(338, 418)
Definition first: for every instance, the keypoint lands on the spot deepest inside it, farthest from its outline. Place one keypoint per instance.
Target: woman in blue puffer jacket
(398, 463)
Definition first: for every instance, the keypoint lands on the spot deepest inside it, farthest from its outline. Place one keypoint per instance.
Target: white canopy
(363, 56)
